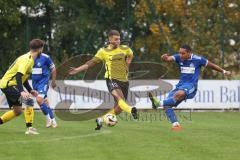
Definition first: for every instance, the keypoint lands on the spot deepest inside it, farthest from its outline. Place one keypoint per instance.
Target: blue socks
(171, 115)
(169, 111)
(47, 110)
(50, 113)
(44, 109)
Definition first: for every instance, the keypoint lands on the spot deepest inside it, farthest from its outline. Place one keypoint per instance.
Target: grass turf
(207, 135)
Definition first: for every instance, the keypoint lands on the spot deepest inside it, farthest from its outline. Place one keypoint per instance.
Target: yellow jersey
(22, 64)
(115, 62)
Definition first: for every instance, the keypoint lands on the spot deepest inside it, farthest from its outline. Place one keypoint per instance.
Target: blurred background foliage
(153, 27)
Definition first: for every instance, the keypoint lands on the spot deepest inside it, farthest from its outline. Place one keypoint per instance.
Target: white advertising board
(211, 94)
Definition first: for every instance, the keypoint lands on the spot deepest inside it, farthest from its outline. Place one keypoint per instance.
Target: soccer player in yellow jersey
(12, 84)
(117, 60)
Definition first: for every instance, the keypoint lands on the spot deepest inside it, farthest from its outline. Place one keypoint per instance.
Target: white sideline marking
(57, 139)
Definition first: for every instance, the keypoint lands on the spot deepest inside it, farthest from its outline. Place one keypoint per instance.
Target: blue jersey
(190, 69)
(42, 68)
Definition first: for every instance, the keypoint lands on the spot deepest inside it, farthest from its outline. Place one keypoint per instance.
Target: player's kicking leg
(119, 91)
(120, 99)
(116, 111)
(174, 98)
(100, 120)
(154, 100)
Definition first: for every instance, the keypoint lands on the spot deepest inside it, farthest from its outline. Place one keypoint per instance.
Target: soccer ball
(110, 120)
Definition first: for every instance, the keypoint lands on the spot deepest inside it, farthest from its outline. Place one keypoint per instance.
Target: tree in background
(154, 27)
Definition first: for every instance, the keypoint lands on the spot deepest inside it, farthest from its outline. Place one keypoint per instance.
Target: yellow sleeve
(99, 55)
(129, 53)
(23, 65)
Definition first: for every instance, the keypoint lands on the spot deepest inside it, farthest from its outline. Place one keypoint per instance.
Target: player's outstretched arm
(83, 67)
(167, 58)
(218, 68)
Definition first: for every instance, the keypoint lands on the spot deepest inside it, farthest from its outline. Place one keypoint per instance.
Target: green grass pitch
(208, 135)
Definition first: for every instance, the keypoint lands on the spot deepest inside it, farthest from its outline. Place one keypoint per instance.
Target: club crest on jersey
(191, 65)
(39, 64)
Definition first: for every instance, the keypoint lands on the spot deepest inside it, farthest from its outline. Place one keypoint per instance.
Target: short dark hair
(113, 32)
(187, 47)
(36, 44)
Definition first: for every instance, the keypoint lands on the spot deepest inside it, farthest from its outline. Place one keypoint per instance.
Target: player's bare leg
(118, 96)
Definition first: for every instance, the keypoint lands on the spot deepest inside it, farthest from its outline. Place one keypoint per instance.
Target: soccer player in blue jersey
(42, 70)
(190, 68)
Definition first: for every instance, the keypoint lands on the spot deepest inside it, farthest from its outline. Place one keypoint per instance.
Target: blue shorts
(189, 89)
(42, 88)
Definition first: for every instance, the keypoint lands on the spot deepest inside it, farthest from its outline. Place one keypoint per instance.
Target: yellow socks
(29, 115)
(9, 115)
(124, 106)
